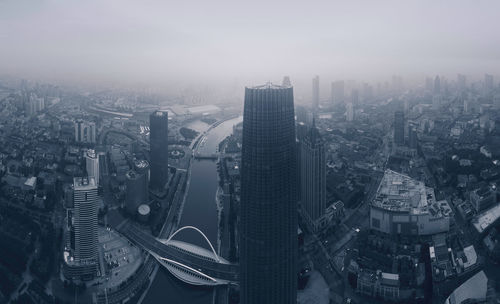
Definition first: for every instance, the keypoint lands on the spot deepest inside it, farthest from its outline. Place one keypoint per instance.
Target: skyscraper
(92, 165)
(268, 231)
(354, 96)
(81, 251)
(337, 92)
(349, 111)
(315, 93)
(488, 83)
(286, 81)
(412, 137)
(86, 207)
(437, 85)
(158, 142)
(313, 178)
(399, 128)
(85, 132)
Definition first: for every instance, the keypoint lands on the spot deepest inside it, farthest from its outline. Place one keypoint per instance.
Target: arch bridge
(189, 263)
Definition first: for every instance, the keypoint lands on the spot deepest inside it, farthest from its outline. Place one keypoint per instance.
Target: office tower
(315, 93)
(437, 85)
(354, 97)
(412, 137)
(137, 186)
(399, 128)
(349, 111)
(313, 178)
(268, 238)
(488, 83)
(461, 85)
(286, 81)
(80, 257)
(338, 92)
(158, 142)
(86, 207)
(85, 132)
(92, 165)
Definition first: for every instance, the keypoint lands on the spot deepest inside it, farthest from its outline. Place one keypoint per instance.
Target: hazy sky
(179, 42)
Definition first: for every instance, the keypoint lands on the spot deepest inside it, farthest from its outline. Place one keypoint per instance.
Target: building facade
(405, 206)
(92, 165)
(315, 93)
(313, 178)
(158, 141)
(399, 128)
(80, 257)
(268, 219)
(85, 132)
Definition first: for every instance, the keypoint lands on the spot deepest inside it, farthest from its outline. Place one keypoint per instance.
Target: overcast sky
(168, 42)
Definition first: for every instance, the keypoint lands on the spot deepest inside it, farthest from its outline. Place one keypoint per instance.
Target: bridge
(212, 156)
(189, 263)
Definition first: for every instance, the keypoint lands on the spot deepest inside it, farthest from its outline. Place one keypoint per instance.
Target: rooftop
(269, 86)
(84, 183)
(401, 193)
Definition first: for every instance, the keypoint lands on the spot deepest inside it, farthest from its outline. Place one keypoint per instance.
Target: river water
(199, 211)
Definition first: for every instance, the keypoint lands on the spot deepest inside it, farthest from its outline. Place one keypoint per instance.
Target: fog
(181, 43)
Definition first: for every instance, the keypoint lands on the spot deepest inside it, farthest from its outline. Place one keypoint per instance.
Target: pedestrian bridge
(189, 263)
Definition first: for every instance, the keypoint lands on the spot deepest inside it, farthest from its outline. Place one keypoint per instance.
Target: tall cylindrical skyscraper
(85, 219)
(268, 231)
(158, 142)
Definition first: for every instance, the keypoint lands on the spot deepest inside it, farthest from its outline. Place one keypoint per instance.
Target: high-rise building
(86, 207)
(337, 92)
(349, 111)
(313, 178)
(34, 105)
(85, 132)
(355, 97)
(488, 83)
(286, 81)
(437, 85)
(158, 141)
(81, 252)
(315, 93)
(268, 226)
(92, 165)
(137, 186)
(399, 128)
(412, 137)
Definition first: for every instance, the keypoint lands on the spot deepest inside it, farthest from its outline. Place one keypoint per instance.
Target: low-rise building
(406, 206)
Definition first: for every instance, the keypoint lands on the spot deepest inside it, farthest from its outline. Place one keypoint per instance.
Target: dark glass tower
(158, 142)
(399, 127)
(268, 231)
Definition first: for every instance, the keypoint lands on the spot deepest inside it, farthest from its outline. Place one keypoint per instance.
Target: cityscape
(350, 170)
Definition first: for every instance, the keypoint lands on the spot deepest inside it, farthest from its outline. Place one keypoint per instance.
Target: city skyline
(227, 152)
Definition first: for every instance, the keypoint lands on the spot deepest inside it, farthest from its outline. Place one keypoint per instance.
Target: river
(199, 211)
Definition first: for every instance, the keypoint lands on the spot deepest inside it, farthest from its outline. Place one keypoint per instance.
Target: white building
(406, 206)
(92, 165)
